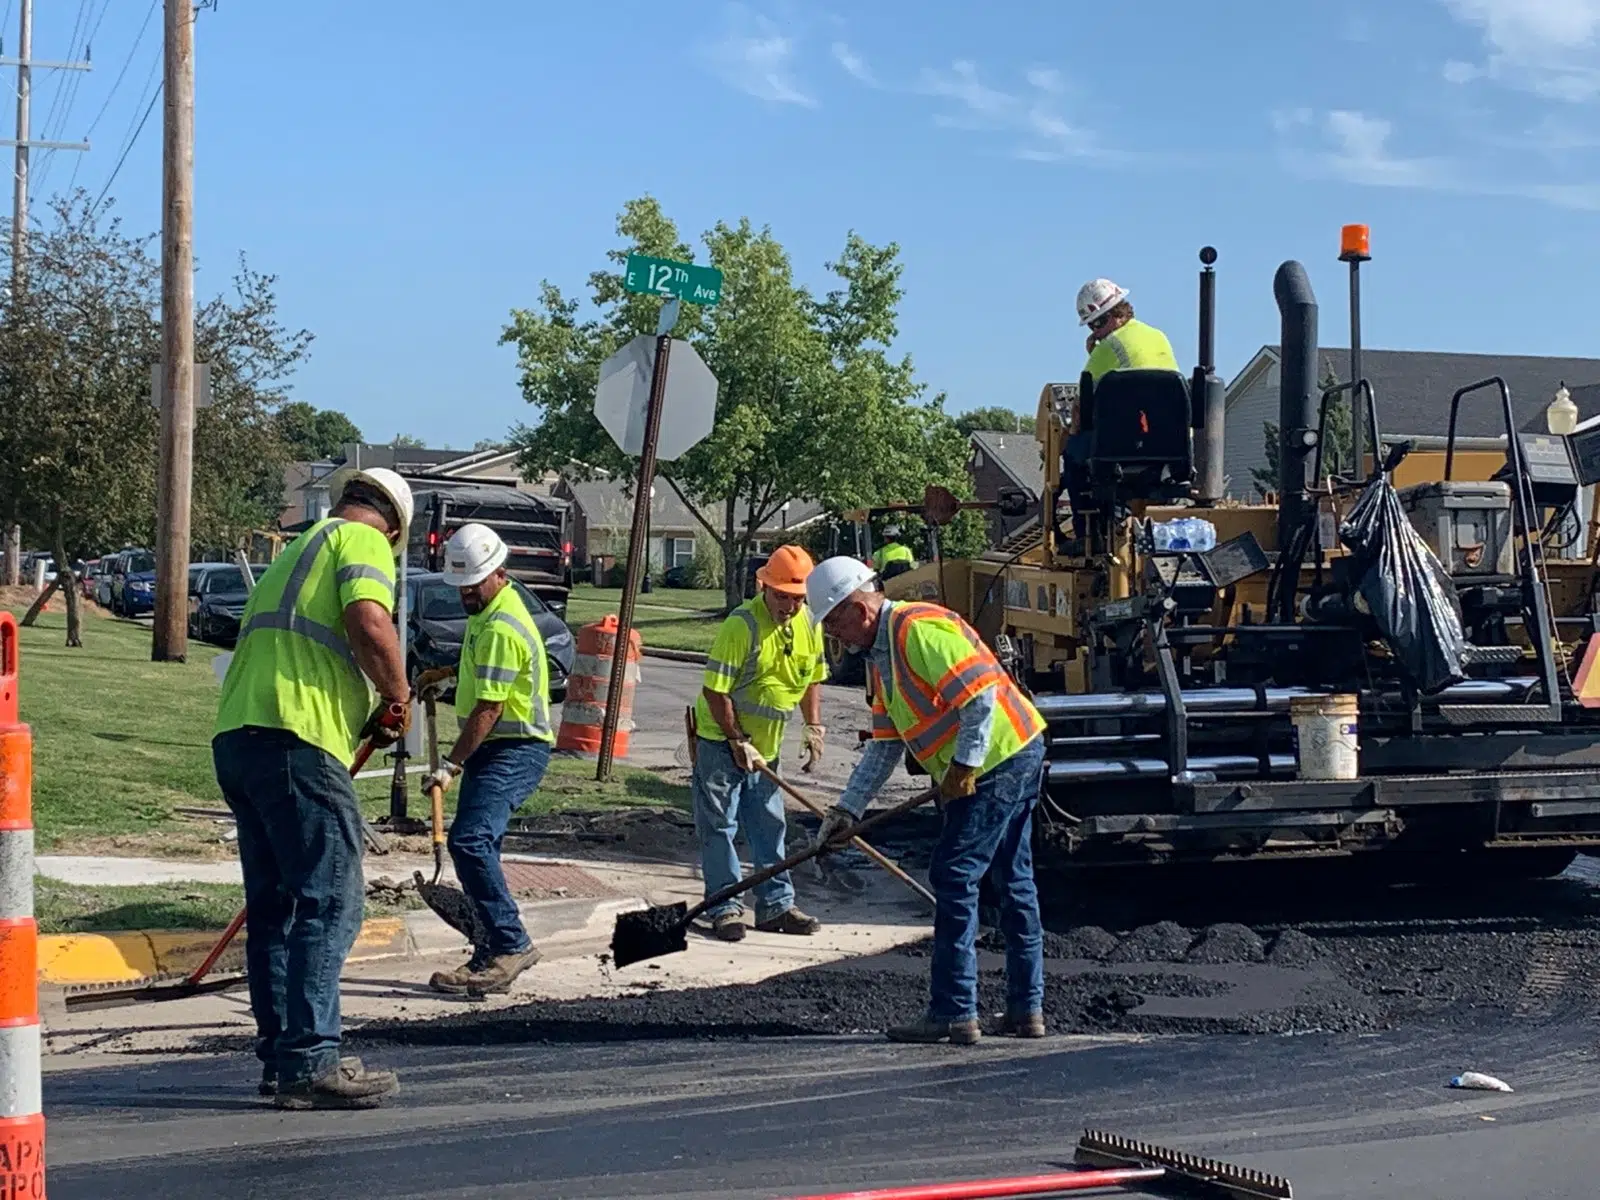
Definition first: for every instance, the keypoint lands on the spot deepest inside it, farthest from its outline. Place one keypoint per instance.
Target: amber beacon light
(1355, 243)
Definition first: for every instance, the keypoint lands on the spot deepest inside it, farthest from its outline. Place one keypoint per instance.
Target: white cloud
(1456, 71)
(961, 84)
(854, 65)
(1046, 79)
(1548, 47)
(1034, 112)
(755, 57)
(1285, 119)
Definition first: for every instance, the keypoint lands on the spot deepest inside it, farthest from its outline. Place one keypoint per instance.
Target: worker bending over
(1117, 341)
(503, 749)
(894, 557)
(294, 707)
(941, 692)
(767, 660)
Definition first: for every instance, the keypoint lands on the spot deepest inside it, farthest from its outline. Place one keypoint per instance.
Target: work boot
(456, 982)
(349, 1085)
(729, 927)
(499, 972)
(269, 1080)
(927, 1031)
(790, 920)
(1024, 1025)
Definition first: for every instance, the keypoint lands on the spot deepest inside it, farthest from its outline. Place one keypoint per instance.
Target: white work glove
(441, 778)
(746, 757)
(834, 824)
(811, 742)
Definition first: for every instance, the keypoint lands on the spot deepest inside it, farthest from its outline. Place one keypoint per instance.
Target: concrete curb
(684, 656)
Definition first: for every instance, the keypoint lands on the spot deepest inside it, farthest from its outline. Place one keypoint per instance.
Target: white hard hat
(834, 580)
(891, 531)
(473, 553)
(1098, 297)
(396, 489)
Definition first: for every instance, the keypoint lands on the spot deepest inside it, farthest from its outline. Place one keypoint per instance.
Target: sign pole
(636, 550)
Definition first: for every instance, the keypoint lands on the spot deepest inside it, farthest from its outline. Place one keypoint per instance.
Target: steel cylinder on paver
(589, 686)
(21, 1119)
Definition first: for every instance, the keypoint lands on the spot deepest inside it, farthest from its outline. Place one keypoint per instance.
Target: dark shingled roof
(1017, 453)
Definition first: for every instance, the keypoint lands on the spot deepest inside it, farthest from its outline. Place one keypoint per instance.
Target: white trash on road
(1477, 1082)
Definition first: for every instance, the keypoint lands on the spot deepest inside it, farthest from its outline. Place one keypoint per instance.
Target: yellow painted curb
(126, 957)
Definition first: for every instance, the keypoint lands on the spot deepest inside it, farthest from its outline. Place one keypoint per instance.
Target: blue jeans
(724, 799)
(496, 779)
(989, 832)
(300, 849)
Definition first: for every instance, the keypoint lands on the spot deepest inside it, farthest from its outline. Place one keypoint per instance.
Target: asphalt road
(1342, 1117)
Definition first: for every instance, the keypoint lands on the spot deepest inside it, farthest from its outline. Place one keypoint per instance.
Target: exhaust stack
(1208, 394)
(1298, 398)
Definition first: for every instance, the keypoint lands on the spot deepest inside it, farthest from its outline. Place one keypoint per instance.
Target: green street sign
(663, 277)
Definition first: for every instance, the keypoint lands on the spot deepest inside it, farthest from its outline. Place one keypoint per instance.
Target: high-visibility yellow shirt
(938, 663)
(293, 668)
(502, 659)
(1134, 347)
(893, 552)
(766, 668)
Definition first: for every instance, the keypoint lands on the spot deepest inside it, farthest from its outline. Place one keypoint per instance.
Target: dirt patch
(658, 834)
(197, 841)
(1228, 943)
(1165, 941)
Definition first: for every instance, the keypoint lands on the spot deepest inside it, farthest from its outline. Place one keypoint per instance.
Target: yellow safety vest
(938, 663)
(502, 659)
(765, 668)
(893, 552)
(293, 668)
(1134, 347)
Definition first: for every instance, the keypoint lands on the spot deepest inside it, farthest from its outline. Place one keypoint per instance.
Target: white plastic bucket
(1326, 736)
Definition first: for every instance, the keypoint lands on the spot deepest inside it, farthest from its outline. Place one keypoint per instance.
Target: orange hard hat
(786, 571)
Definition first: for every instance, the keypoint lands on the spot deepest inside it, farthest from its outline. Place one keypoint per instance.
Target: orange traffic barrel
(21, 1116)
(589, 690)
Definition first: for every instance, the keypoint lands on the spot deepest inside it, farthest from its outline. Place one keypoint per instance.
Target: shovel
(449, 904)
(660, 929)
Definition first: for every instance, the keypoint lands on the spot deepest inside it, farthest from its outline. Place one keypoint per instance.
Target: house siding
(1248, 409)
(988, 481)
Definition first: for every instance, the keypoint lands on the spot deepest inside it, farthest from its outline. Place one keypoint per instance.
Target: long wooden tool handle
(232, 931)
(860, 844)
(795, 859)
(436, 796)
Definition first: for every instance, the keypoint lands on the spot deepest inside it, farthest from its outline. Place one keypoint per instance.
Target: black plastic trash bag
(1406, 589)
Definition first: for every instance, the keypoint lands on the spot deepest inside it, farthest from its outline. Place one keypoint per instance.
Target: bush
(707, 570)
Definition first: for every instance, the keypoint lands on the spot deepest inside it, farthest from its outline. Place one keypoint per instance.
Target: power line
(127, 149)
(116, 84)
(67, 90)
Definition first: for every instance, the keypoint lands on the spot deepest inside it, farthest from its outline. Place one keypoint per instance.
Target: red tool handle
(1019, 1185)
(232, 931)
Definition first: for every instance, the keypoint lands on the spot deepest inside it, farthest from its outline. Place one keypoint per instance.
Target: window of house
(680, 552)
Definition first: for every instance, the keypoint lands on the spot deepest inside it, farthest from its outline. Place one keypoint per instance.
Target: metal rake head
(1100, 1149)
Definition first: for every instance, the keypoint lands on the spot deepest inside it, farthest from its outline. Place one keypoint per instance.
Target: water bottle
(1184, 533)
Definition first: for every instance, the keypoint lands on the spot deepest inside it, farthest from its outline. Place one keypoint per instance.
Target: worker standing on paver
(295, 705)
(766, 661)
(939, 690)
(894, 557)
(503, 750)
(1117, 341)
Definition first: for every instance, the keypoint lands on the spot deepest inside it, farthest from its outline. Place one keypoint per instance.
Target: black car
(217, 596)
(436, 624)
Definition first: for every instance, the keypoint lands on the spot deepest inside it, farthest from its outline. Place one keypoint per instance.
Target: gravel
(1228, 943)
(1165, 941)
(1291, 948)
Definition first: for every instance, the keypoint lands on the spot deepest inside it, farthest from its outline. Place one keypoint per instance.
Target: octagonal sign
(688, 410)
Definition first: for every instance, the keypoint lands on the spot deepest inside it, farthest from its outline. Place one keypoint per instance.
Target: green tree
(810, 405)
(1338, 455)
(993, 420)
(310, 434)
(406, 441)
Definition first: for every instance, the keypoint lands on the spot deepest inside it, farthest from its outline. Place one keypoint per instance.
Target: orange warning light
(1355, 241)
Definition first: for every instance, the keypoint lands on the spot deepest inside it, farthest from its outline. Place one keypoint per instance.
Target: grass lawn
(119, 742)
(705, 600)
(667, 619)
(70, 908)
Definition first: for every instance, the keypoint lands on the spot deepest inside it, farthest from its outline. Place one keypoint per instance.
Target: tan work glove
(388, 723)
(433, 679)
(836, 823)
(440, 778)
(959, 782)
(746, 757)
(811, 741)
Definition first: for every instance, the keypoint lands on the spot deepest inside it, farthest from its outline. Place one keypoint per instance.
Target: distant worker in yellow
(894, 557)
(1118, 341)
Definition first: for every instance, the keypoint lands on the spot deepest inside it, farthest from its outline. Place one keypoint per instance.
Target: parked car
(678, 577)
(88, 573)
(217, 596)
(436, 624)
(133, 583)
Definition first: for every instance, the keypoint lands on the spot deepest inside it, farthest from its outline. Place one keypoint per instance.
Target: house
(1006, 462)
(1412, 389)
(602, 519)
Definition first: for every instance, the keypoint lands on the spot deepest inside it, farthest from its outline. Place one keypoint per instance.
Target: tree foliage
(78, 431)
(1338, 452)
(994, 420)
(812, 404)
(310, 434)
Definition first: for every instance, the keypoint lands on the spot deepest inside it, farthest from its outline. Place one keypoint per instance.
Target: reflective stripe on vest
(285, 618)
(1114, 343)
(541, 711)
(743, 693)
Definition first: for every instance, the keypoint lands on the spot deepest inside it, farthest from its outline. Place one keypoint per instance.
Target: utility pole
(170, 642)
(24, 63)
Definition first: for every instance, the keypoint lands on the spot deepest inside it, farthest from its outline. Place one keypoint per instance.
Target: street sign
(688, 409)
(663, 277)
(202, 385)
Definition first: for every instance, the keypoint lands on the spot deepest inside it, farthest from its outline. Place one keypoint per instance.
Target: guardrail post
(21, 1118)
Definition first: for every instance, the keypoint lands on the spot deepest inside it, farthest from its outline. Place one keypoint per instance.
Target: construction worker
(766, 661)
(939, 690)
(1117, 341)
(295, 705)
(503, 749)
(893, 557)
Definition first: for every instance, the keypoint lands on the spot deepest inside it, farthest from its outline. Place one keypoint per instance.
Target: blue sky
(411, 172)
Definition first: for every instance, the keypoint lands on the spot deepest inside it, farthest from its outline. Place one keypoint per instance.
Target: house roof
(1017, 454)
(1413, 387)
(606, 505)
